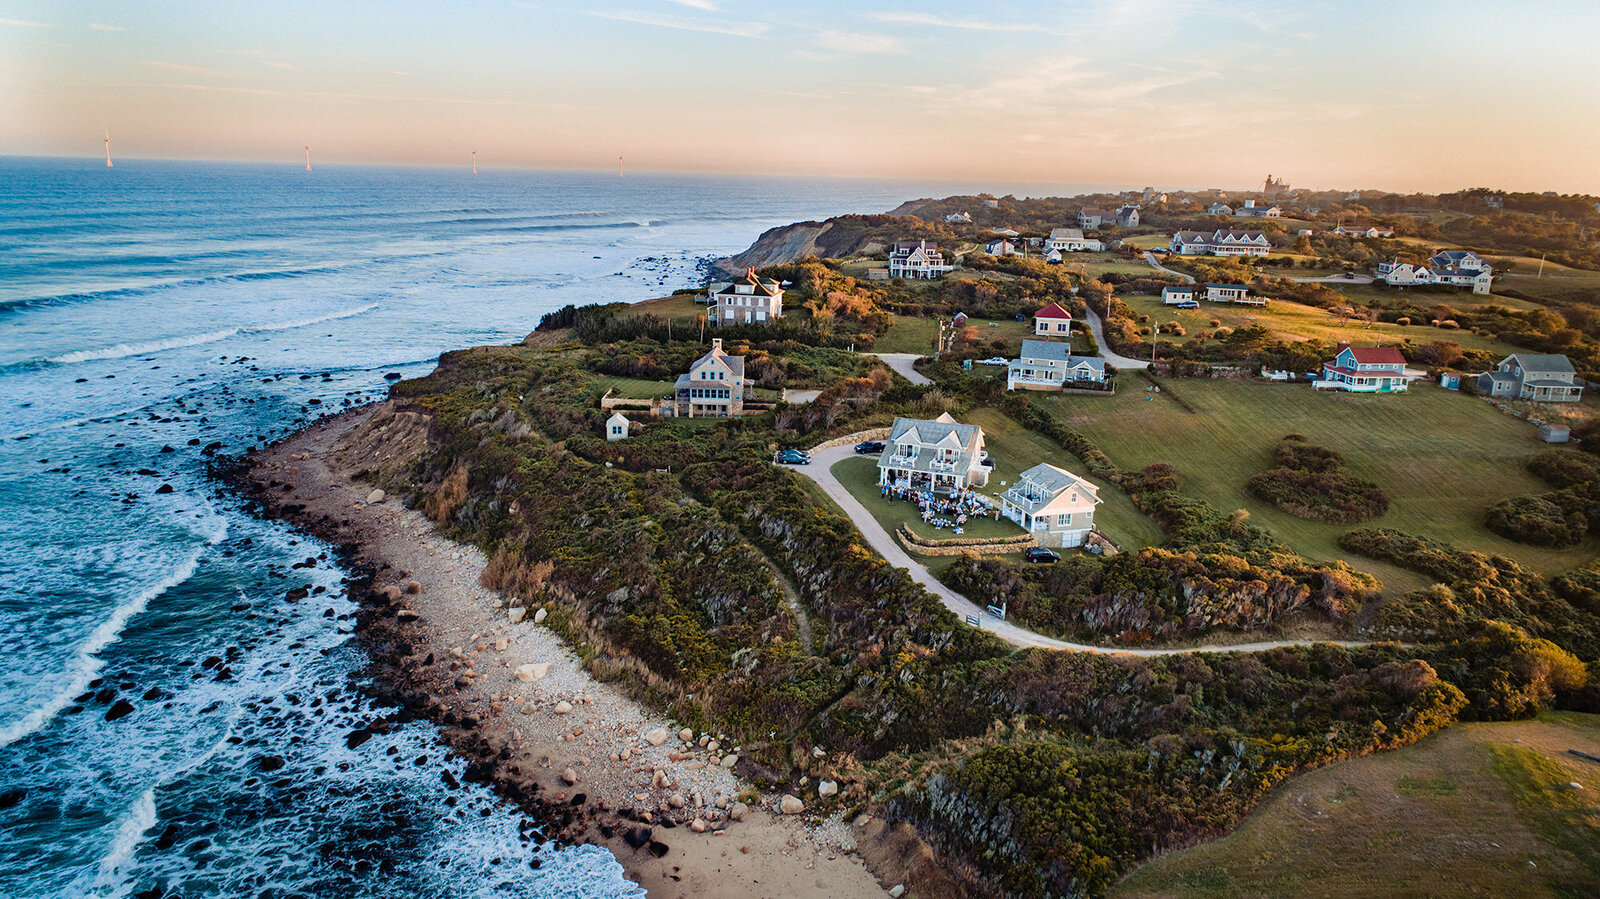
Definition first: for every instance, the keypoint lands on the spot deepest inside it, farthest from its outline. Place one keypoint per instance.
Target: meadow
(1442, 457)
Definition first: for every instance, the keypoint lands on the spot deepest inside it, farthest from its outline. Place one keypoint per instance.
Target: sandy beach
(589, 763)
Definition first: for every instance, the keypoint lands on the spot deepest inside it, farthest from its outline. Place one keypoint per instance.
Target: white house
(1071, 240)
(1541, 377)
(959, 218)
(1404, 274)
(1180, 295)
(754, 300)
(1363, 231)
(1047, 365)
(1222, 242)
(1000, 247)
(1251, 211)
(1219, 209)
(1128, 216)
(713, 387)
(1462, 259)
(1365, 369)
(940, 454)
(1053, 504)
(917, 259)
(1232, 293)
(1052, 321)
(1093, 218)
(617, 427)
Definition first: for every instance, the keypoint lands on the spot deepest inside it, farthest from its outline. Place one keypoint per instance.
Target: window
(1064, 520)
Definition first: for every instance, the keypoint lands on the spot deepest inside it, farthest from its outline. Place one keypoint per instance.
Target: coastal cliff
(845, 235)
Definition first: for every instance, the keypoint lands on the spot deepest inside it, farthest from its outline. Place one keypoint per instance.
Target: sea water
(157, 309)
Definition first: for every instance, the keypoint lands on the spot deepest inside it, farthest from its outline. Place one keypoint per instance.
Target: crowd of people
(952, 511)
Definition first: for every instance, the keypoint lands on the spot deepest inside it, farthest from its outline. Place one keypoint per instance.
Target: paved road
(901, 363)
(820, 470)
(1151, 258)
(1122, 363)
(1336, 279)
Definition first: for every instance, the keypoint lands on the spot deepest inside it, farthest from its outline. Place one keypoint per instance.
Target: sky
(1395, 95)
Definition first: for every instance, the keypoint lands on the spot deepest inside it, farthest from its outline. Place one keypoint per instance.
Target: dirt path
(802, 620)
(1120, 361)
(1151, 258)
(821, 471)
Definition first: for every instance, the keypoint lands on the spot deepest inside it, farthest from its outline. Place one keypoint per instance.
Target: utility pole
(1541, 267)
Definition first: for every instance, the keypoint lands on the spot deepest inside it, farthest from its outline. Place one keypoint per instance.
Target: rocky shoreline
(585, 763)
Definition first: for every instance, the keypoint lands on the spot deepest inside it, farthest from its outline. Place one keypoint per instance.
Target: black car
(869, 446)
(1040, 554)
(794, 457)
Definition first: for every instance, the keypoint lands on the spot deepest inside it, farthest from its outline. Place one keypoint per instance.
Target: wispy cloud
(711, 26)
(917, 18)
(273, 64)
(706, 5)
(22, 23)
(180, 67)
(858, 42)
(98, 26)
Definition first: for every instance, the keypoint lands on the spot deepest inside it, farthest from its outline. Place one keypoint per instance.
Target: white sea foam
(86, 662)
(112, 879)
(124, 350)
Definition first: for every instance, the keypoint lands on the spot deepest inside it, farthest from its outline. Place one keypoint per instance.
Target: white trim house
(754, 300)
(713, 387)
(1053, 504)
(1221, 242)
(617, 427)
(1071, 240)
(1365, 369)
(917, 259)
(1047, 365)
(1180, 295)
(1541, 377)
(1052, 321)
(938, 454)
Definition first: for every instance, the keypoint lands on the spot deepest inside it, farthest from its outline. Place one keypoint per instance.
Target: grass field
(635, 388)
(913, 334)
(1442, 457)
(1478, 809)
(679, 308)
(1298, 322)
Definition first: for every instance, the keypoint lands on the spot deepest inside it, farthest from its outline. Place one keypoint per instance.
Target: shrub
(1310, 481)
(1537, 521)
(1564, 468)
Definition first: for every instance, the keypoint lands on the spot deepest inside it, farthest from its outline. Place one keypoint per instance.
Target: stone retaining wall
(857, 437)
(920, 547)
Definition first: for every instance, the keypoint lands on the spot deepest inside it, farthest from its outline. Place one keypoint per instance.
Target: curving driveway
(821, 471)
(901, 363)
(1151, 258)
(1121, 362)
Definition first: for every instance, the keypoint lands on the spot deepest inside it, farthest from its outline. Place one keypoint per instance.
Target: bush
(1564, 468)
(1310, 481)
(1537, 521)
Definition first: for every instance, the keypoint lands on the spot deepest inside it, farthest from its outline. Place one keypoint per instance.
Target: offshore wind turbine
(108, 149)
(474, 162)
(308, 157)
(619, 166)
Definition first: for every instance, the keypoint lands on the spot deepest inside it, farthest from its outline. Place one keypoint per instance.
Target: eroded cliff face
(778, 246)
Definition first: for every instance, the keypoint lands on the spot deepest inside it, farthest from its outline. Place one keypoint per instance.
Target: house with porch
(1221, 242)
(1053, 504)
(1405, 274)
(1219, 209)
(1232, 293)
(752, 300)
(1540, 377)
(1251, 211)
(1071, 240)
(713, 387)
(1364, 369)
(917, 259)
(938, 454)
(1048, 365)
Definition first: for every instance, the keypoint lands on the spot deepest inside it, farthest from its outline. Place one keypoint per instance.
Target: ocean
(169, 721)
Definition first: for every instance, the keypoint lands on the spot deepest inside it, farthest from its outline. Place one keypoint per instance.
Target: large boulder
(656, 737)
(376, 496)
(791, 805)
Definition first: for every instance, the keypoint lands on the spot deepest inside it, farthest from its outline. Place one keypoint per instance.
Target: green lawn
(678, 308)
(1298, 322)
(859, 475)
(913, 334)
(635, 388)
(1442, 457)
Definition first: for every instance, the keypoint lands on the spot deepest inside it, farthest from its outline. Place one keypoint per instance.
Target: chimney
(716, 344)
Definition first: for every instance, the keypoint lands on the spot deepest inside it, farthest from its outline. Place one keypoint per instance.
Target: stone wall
(920, 547)
(857, 437)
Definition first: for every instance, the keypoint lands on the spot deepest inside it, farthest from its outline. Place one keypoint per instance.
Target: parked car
(866, 447)
(1349, 274)
(794, 457)
(987, 461)
(995, 360)
(1040, 554)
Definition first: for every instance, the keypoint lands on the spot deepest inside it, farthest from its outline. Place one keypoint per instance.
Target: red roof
(1373, 355)
(1053, 310)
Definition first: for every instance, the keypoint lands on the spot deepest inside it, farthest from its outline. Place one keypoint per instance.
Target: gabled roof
(929, 432)
(615, 417)
(1192, 236)
(760, 285)
(1053, 310)
(1045, 349)
(1229, 286)
(1100, 212)
(735, 364)
(1373, 355)
(907, 246)
(1054, 480)
(1543, 363)
(1177, 288)
(1066, 234)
